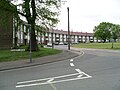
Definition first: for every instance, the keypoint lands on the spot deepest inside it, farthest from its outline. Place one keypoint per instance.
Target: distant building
(57, 36)
(62, 36)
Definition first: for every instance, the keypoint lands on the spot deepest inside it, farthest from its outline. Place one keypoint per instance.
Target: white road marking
(54, 88)
(49, 81)
(52, 80)
(71, 64)
(71, 60)
(24, 82)
(80, 76)
(82, 53)
(32, 81)
(87, 75)
(78, 70)
(36, 84)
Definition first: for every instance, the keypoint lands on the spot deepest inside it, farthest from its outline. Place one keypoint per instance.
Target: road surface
(91, 70)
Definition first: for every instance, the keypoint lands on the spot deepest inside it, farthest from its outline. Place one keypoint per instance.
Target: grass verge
(116, 46)
(7, 55)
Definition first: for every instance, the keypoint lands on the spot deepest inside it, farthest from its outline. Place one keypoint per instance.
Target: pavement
(64, 55)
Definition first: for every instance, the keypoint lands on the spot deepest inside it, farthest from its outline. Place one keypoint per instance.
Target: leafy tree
(115, 31)
(40, 12)
(102, 31)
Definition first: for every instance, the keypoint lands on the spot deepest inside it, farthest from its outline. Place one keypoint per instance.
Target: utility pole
(30, 56)
(68, 26)
(68, 29)
(52, 39)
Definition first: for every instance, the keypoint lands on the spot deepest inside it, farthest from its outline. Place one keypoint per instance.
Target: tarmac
(64, 55)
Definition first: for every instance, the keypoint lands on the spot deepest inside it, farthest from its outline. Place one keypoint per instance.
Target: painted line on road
(80, 76)
(54, 88)
(52, 80)
(37, 84)
(72, 65)
(80, 55)
(71, 60)
(49, 81)
(78, 70)
(30, 81)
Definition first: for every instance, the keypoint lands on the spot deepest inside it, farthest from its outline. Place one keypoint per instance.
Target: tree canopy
(106, 30)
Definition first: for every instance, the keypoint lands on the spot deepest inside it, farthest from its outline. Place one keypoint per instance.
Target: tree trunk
(114, 40)
(34, 46)
(31, 16)
(104, 40)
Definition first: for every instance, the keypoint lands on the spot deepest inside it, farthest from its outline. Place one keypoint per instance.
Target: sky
(86, 14)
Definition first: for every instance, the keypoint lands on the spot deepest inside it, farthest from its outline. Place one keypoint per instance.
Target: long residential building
(55, 36)
(62, 36)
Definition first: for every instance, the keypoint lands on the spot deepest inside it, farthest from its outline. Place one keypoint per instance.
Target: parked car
(49, 44)
(61, 43)
(56, 43)
(65, 43)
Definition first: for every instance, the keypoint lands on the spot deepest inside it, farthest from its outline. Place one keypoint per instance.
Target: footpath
(64, 55)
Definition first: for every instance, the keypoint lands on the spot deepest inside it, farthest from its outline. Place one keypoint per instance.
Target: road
(91, 70)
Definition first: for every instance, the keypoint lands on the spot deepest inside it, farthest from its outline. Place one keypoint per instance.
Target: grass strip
(7, 55)
(116, 46)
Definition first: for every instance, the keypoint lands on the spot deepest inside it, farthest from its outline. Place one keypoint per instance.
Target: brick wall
(6, 28)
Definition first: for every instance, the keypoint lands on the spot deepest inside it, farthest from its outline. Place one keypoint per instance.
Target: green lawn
(98, 45)
(7, 55)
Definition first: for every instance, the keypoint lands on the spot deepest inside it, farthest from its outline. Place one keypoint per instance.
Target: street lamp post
(30, 43)
(68, 29)
(68, 26)
(52, 39)
(30, 56)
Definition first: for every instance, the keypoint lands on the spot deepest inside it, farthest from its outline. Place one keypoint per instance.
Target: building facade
(55, 36)
(59, 36)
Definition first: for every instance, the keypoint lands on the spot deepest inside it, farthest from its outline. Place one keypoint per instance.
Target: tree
(40, 12)
(102, 31)
(115, 31)
(36, 12)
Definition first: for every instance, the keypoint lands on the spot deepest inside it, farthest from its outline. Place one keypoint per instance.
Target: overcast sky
(85, 14)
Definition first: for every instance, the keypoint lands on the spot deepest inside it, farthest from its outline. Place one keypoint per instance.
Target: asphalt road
(91, 70)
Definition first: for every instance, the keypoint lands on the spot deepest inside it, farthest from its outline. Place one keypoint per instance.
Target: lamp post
(52, 39)
(30, 43)
(68, 29)
(68, 25)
